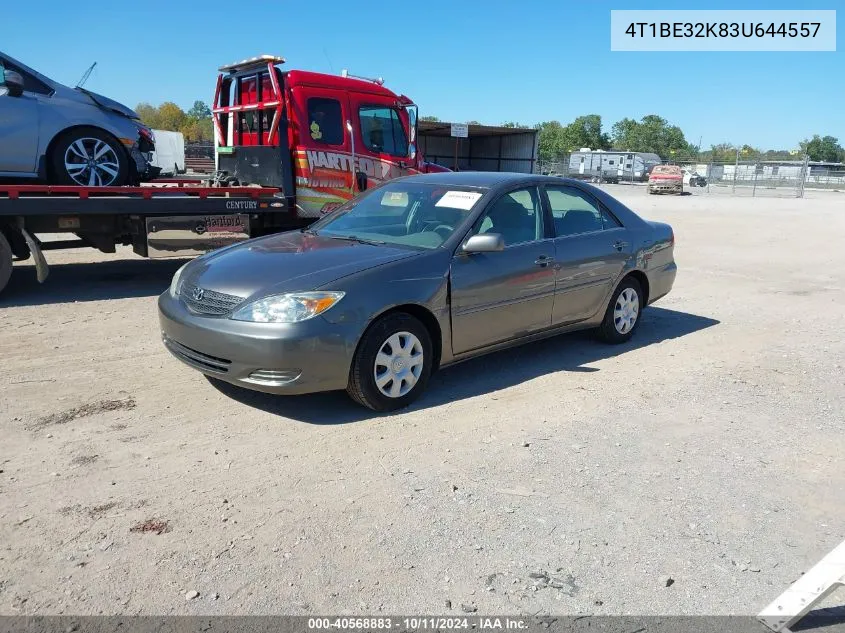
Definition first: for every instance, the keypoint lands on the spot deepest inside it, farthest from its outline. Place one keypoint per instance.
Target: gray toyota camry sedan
(412, 276)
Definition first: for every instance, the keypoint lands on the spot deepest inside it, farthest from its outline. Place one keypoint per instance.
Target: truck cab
(320, 138)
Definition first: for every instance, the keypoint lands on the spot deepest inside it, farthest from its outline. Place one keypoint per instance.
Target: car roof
(486, 179)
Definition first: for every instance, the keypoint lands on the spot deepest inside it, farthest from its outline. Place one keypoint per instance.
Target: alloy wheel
(92, 162)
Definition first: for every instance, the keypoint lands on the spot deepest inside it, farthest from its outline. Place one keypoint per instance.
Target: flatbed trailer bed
(168, 218)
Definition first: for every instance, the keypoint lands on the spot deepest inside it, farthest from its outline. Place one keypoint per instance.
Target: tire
(5, 262)
(413, 339)
(111, 165)
(611, 329)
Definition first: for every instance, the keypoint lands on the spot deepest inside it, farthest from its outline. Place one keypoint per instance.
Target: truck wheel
(392, 363)
(89, 157)
(5, 261)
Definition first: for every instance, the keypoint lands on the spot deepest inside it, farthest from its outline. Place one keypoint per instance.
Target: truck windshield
(409, 214)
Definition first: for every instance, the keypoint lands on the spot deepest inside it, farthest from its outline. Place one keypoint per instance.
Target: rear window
(666, 169)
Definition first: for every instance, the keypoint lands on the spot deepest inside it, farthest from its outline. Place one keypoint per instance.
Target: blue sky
(492, 61)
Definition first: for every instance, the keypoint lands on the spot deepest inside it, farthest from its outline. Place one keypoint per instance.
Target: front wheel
(89, 157)
(623, 312)
(392, 364)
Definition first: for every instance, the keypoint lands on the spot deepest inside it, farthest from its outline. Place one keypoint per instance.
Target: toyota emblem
(199, 293)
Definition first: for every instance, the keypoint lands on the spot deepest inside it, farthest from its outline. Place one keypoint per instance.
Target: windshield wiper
(355, 238)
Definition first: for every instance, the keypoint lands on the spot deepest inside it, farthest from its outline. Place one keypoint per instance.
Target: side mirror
(484, 243)
(412, 151)
(13, 82)
(361, 180)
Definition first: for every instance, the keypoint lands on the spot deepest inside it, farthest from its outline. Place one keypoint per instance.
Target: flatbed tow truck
(290, 146)
(164, 219)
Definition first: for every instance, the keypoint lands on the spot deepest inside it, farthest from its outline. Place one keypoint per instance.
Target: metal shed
(487, 148)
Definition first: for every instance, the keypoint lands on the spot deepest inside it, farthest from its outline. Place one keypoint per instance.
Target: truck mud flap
(41, 268)
(190, 235)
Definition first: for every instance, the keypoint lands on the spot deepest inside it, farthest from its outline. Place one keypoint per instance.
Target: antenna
(85, 75)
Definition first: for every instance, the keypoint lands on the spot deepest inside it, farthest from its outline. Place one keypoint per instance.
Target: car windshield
(410, 214)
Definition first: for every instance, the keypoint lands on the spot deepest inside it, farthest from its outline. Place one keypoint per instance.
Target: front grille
(210, 302)
(203, 362)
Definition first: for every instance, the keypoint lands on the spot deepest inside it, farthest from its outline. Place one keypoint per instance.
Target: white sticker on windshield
(459, 200)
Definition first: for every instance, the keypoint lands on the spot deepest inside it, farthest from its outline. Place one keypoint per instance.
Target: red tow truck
(290, 146)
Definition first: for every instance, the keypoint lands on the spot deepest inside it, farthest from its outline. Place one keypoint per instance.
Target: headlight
(174, 284)
(288, 308)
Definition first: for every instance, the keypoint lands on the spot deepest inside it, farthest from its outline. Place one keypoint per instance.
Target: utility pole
(736, 170)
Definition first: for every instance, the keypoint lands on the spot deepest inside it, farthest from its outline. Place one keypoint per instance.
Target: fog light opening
(274, 377)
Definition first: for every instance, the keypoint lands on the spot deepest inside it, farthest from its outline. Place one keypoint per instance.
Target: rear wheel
(89, 157)
(392, 364)
(623, 312)
(5, 261)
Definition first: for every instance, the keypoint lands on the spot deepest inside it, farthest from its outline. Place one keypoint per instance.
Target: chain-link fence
(737, 177)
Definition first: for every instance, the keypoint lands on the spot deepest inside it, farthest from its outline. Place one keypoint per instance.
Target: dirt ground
(562, 477)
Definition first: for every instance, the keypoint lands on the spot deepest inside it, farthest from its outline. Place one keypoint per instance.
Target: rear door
(323, 154)
(591, 248)
(381, 138)
(507, 294)
(19, 124)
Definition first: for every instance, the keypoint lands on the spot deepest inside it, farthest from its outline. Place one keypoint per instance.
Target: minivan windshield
(417, 215)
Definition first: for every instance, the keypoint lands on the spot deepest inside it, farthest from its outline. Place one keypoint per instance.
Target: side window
(325, 121)
(516, 216)
(382, 130)
(609, 221)
(573, 212)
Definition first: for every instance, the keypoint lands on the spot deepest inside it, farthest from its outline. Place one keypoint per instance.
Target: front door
(323, 156)
(381, 138)
(591, 248)
(506, 294)
(18, 130)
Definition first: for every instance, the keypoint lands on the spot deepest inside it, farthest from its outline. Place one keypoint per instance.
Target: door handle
(620, 244)
(544, 260)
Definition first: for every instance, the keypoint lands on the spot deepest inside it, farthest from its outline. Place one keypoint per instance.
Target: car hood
(286, 262)
(109, 104)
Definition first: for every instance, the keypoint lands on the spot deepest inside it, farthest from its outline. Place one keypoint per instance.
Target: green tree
(654, 134)
(430, 117)
(550, 141)
(514, 124)
(584, 131)
(824, 149)
(199, 111)
(148, 114)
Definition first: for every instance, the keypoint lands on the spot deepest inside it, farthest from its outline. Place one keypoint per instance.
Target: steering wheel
(447, 230)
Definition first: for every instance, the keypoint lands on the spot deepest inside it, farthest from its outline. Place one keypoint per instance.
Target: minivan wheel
(5, 261)
(392, 364)
(89, 157)
(623, 312)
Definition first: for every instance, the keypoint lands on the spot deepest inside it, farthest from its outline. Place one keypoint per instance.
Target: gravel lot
(562, 477)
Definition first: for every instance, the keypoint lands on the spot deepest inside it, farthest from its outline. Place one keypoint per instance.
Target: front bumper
(296, 358)
(672, 187)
